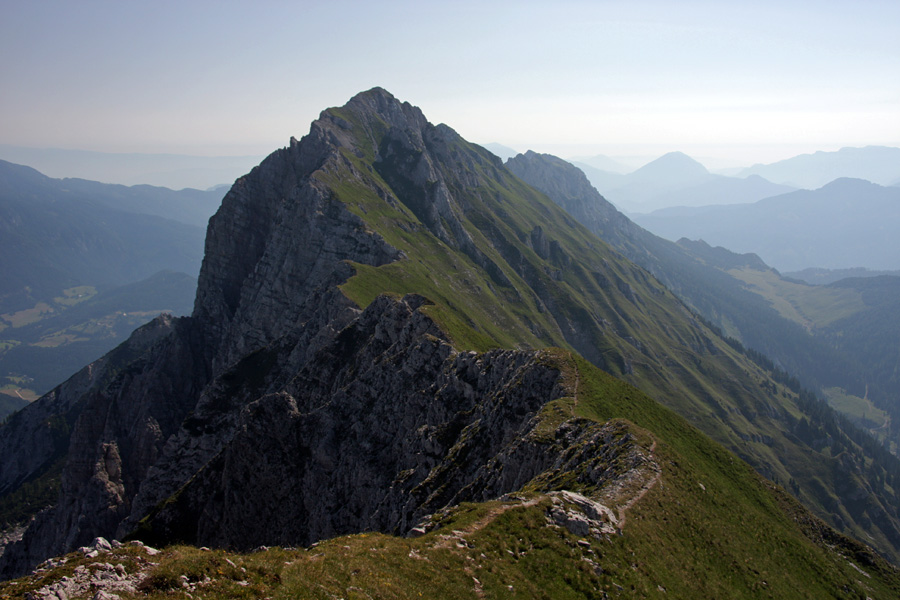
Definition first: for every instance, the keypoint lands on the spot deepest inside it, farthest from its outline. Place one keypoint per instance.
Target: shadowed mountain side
(10, 404)
(364, 339)
(702, 277)
(53, 238)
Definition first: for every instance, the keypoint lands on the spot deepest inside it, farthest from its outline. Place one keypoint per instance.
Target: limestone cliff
(323, 385)
(279, 412)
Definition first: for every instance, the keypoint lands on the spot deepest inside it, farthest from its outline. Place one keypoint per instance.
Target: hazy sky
(745, 81)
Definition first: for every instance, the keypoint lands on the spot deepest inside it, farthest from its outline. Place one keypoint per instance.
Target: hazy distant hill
(847, 223)
(58, 234)
(83, 264)
(676, 179)
(815, 276)
(500, 150)
(175, 171)
(878, 164)
(190, 206)
(725, 190)
(600, 178)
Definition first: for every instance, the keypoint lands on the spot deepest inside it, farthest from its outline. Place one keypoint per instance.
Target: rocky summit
(280, 412)
(392, 333)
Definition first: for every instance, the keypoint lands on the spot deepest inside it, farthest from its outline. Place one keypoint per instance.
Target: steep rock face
(568, 187)
(35, 437)
(279, 237)
(275, 252)
(388, 424)
(270, 331)
(123, 421)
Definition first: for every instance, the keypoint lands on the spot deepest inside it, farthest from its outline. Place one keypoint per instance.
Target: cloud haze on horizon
(754, 83)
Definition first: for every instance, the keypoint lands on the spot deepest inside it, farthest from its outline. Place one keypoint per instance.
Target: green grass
(709, 527)
(724, 540)
(8, 344)
(19, 392)
(28, 316)
(75, 295)
(587, 298)
(860, 410)
(809, 305)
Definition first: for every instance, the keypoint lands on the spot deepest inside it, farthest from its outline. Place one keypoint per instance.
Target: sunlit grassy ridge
(586, 297)
(708, 527)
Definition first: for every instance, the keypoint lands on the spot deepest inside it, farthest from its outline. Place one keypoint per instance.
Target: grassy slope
(810, 306)
(709, 528)
(636, 329)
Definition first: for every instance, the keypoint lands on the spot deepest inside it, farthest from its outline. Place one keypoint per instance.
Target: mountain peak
(672, 162)
(380, 104)
(849, 184)
(329, 381)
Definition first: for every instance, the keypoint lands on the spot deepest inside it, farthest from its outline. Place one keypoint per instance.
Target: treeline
(823, 426)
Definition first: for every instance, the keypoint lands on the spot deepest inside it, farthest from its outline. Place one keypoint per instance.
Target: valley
(394, 332)
(85, 263)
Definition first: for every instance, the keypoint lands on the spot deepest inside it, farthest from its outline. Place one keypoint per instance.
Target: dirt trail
(457, 536)
(648, 485)
(575, 394)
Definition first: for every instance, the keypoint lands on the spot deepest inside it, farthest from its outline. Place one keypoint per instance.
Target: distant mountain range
(58, 234)
(83, 264)
(174, 171)
(878, 164)
(845, 224)
(816, 276)
(395, 335)
(675, 179)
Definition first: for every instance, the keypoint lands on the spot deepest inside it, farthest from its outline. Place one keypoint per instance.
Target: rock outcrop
(317, 390)
(279, 412)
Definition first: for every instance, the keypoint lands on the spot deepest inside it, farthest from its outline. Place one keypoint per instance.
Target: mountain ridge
(877, 164)
(173, 171)
(676, 179)
(843, 224)
(709, 280)
(375, 258)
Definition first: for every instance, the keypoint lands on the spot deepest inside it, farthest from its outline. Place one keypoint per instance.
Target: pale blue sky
(746, 82)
